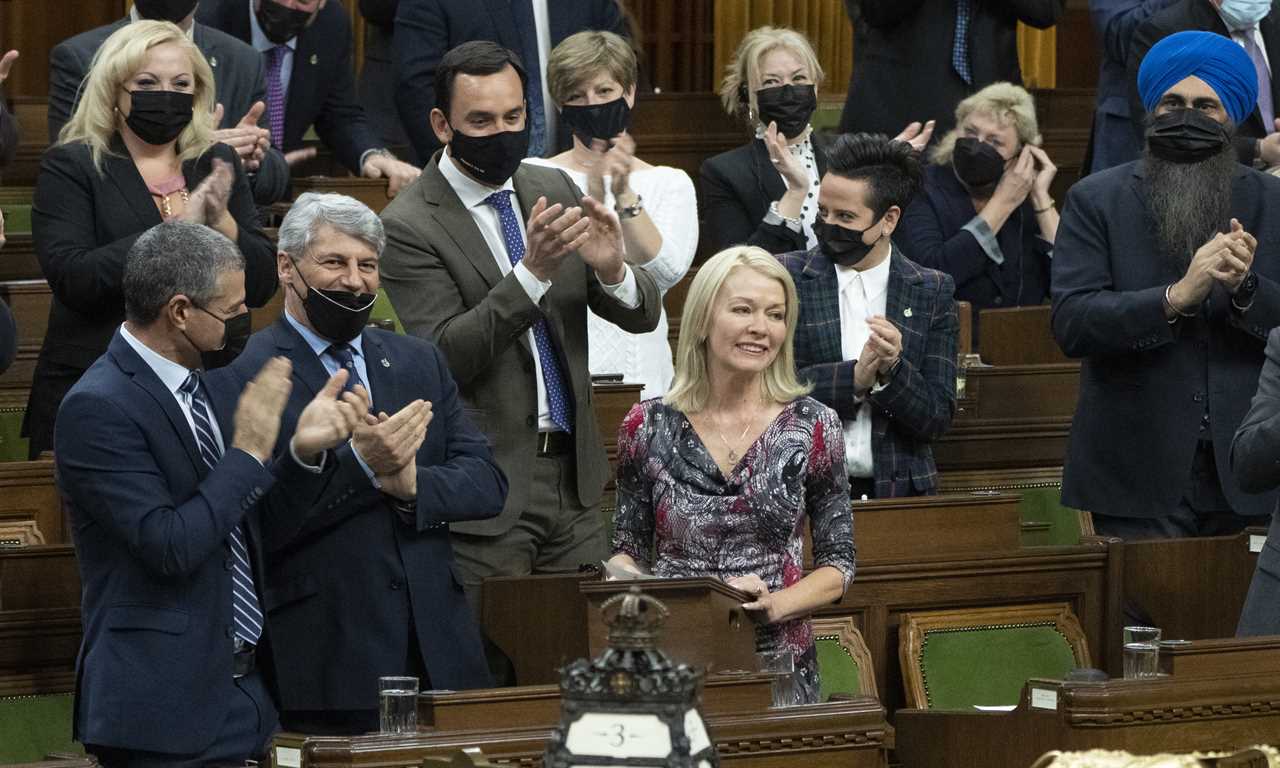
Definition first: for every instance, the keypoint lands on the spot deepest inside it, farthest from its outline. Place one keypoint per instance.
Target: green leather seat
(17, 217)
(1044, 505)
(838, 671)
(13, 446)
(34, 726)
(382, 310)
(989, 665)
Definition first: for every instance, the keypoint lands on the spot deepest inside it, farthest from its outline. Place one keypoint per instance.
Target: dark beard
(1188, 203)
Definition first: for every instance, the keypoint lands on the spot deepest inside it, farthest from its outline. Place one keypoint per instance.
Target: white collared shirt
(473, 195)
(172, 375)
(862, 296)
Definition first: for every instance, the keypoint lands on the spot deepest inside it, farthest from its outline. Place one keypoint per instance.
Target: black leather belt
(242, 661)
(554, 443)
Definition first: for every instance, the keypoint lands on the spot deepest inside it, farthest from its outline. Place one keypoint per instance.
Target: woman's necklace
(733, 452)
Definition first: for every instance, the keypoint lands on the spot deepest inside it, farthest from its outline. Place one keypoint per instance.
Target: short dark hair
(475, 57)
(176, 257)
(891, 169)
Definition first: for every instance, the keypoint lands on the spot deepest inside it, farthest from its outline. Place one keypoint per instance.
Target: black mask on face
(158, 117)
(1185, 136)
(790, 106)
(337, 315)
(597, 121)
(281, 24)
(842, 245)
(235, 335)
(165, 10)
(490, 159)
(977, 165)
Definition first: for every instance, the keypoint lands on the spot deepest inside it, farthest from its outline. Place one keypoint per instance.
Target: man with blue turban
(1166, 282)
(1246, 25)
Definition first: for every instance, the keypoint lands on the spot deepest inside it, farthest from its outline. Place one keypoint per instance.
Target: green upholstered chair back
(383, 311)
(1044, 505)
(34, 726)
(984, 656)
(1046, 522)
(844, 662)
(17, 217)
(13, 446)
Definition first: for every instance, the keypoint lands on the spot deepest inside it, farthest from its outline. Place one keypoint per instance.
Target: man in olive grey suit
(506, 302)
(239, 83)
(1255, 462)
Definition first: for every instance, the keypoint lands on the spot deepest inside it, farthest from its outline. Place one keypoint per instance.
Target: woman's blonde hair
(120, 57)
(1007, 103)
(736, 91)
(583, 55)
(691, 388)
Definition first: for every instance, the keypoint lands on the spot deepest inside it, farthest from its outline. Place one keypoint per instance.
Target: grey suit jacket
(239, 81)
(1255, 451)
(445, 286)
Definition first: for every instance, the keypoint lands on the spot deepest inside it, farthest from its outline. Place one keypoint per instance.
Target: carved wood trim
(843, 631)
(915, 627)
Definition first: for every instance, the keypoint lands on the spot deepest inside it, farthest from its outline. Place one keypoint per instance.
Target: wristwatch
(1243, 298)
(631, 211)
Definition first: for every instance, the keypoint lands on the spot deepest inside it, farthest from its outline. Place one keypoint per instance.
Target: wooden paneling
(34, 28)
(676, 44)
(1077, 50)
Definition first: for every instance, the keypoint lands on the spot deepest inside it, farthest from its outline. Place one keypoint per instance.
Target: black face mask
(281, 24)
(490, 159)
(790, 106)
(977, 165)
(165, 10)
(158, 117)
(597, 121)
(842, 245)
(337, 315)
(1186, 136)
(235, 335)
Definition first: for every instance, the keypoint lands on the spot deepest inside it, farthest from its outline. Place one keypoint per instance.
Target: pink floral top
(679, 516)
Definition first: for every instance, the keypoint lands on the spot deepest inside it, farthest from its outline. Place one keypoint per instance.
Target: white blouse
(645, 358)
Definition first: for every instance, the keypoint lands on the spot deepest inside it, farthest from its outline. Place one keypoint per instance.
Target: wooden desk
(1011, 417)
(1222, 657)
(1140, 716)
(371, 192)
(933, 527)
(1018, 336)
(847, 733)
(39, 620)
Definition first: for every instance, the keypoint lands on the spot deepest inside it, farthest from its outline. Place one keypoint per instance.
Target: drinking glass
(786, 682)
(398, 704)
(1141, 652)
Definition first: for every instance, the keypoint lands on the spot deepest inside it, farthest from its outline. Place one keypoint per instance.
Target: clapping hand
(248, 140)
(788, 165)
(257, 416)
(387, 443)
(916, 135)
(1236, 258)
(208, 203)
(329, 419)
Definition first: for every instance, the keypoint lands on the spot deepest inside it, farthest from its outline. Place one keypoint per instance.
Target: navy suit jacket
(426, 29)
(150, 523)
(322, 90)
(1114, 24)
(347, 580)
(917, 404)
(1253, 462)
(933, 235)
(1143, 382)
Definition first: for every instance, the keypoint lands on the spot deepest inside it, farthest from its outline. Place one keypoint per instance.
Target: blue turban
(1215, 59)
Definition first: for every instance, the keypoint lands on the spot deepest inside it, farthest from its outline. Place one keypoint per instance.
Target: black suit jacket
(426, 29)
(1253, 461)
(1145, 384)
(350, 564)
(1199, 15)
(902, 58)
(83, 223)
(8, 135)
(322, 88)
(150, 522)
(737, 188)
(238, 78)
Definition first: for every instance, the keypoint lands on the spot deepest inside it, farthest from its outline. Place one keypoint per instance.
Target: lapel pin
(906, 312)
(314, 59)
(213, 61)
(386, 363)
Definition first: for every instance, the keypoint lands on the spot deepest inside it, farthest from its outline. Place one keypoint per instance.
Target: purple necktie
(275, 94)
(1265, 107)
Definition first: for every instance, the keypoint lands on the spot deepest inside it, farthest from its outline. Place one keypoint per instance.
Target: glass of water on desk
(1141, 652)
(398, 704)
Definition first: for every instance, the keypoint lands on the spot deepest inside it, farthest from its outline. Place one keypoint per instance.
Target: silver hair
(345, 214)
(176, 257)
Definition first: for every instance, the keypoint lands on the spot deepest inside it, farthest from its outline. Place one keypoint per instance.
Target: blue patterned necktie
(244, 599)
(522, 13)
(960, 46)
(552, 377)
(346, 358)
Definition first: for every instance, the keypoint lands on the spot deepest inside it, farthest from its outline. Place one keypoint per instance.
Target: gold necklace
(166, 208)
(733, 453)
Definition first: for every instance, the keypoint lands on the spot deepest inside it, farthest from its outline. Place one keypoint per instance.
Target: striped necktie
(244, 598)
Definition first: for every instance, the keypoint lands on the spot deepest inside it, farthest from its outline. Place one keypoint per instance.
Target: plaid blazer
(919, 400)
